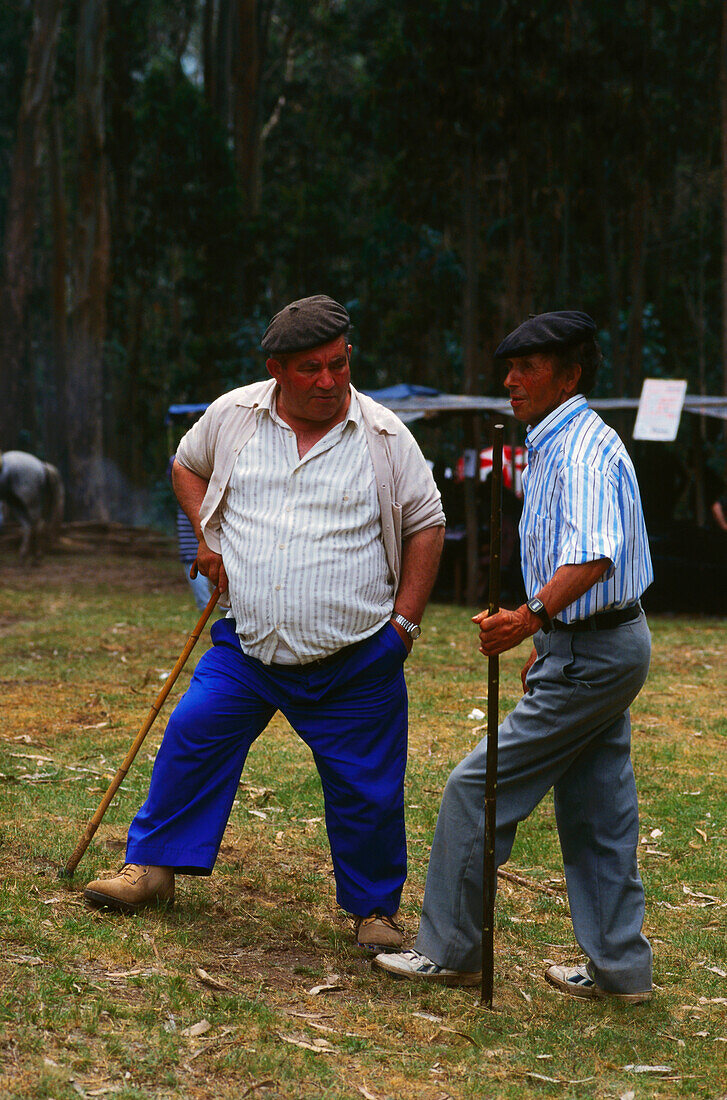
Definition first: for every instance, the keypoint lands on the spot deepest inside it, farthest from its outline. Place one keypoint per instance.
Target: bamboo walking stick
(118, 779)
(489, 878)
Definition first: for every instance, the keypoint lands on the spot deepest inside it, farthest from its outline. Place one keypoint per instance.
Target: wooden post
(489, 878)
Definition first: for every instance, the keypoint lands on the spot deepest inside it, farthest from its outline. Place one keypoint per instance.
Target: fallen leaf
(476, 715)
(197, 1029)
(696, 894)
(319, 1046)
(258, 813)
(701, 833)
(631, 1068)
(332, 984)
(213, 983)
(713, 1000)
(630, 1095)
(716, 970)
(365, 1092)
(655, 833)
(428, 1016)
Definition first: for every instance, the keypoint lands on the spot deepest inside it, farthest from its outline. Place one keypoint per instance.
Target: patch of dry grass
(95, 1005)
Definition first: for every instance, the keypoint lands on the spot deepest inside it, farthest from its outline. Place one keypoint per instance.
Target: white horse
(33, 493)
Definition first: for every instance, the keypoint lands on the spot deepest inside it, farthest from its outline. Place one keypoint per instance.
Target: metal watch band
(537, 607)
(412, 629)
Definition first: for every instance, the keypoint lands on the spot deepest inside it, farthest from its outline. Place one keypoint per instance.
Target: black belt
(606, 620)
(320, 662)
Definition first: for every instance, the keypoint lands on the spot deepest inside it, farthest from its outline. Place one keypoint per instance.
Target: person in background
(187, 545)
(719, 511)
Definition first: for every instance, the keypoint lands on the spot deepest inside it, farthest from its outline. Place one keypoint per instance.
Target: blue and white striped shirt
(582, 503)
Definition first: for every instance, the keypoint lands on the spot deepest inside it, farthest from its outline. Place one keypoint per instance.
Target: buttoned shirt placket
(284, 530)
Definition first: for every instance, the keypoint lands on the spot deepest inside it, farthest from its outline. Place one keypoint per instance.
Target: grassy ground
(217, 998)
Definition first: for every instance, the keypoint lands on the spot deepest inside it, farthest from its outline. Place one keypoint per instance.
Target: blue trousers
(351, 711)
(572, 733)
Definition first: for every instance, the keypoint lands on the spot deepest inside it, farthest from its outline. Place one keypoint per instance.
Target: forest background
(172, 172)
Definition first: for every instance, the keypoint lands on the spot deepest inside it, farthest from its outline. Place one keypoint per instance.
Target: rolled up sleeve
(590, 520)
(416, 490)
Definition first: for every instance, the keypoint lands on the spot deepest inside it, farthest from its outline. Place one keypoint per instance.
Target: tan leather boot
(379, 932)
(134, 887)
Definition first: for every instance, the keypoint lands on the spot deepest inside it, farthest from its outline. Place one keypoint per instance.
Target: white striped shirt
(301, 542)
(582, 503)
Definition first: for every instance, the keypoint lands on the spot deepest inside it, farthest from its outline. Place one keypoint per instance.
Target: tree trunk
(635, 339)
(223, 60)
(16, 408)
(208, 51)
(470, 342)
(91, 275)
(723, 107)
(246, 113)
(59, 297)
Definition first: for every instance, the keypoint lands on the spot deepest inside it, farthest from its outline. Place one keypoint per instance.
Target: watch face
(415, 632)
(535, 605)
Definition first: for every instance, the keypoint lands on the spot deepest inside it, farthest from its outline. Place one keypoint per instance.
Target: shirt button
(282, 546)
(277, 587)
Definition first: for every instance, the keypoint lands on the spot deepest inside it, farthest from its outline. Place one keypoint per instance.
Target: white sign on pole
(660, 409)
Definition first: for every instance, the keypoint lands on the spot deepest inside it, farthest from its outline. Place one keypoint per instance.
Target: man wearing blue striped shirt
(586, 563)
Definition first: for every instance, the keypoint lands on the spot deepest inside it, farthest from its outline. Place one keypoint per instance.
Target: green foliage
(592, 129)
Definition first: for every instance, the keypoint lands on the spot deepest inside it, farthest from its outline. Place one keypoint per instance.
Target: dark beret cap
(306, 323)
(547, 330)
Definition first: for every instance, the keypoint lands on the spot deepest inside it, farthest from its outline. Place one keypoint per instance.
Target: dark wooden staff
(118, 779)
(489, 878)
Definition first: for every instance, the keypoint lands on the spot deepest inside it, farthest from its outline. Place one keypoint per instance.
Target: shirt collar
(554, 421)
(268, 405)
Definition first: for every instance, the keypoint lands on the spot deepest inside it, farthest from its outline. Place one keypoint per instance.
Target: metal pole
(489, 878)
(118, 779)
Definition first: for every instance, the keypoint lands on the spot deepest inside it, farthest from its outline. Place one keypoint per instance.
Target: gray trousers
(572, 732)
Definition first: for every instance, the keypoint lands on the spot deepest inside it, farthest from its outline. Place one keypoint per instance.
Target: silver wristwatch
(412, 629)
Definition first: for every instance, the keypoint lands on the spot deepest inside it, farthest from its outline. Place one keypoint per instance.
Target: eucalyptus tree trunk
(246, 113)
(723, 108)
(16, 407)
(59, 286)
(470, 343)
(90, 274)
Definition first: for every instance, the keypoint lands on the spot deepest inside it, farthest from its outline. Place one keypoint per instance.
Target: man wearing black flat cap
(586, 563)
(316, 511)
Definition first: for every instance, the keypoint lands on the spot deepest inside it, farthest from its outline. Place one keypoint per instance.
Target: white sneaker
(577, 982)
(417, 967)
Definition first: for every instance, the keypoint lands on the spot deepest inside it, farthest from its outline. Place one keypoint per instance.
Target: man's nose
(326, 379)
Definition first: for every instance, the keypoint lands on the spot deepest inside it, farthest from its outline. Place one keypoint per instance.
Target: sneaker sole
(594, 993)
(431, 979)
(105, 901)
(390, 947)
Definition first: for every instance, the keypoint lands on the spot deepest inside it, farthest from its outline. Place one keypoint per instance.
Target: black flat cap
(547, 330)
(306, 323)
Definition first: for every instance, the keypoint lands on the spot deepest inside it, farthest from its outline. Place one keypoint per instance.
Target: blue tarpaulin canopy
(176, 412)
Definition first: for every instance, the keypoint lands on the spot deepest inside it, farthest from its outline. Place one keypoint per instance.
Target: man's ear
(572, 377)
(274, 368)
